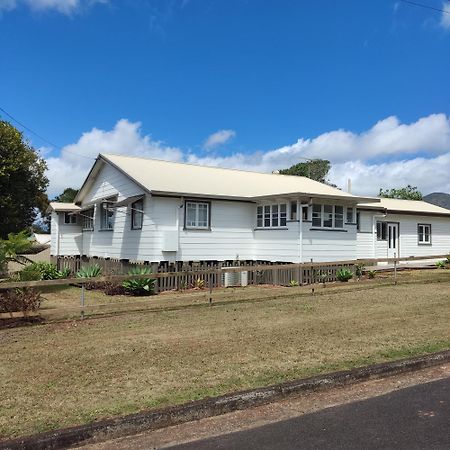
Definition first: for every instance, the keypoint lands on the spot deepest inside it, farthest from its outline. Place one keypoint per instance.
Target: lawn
(71, 372)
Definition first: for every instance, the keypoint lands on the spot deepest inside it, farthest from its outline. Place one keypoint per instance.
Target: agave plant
(140, 286)
(344, 274)
(89, 271)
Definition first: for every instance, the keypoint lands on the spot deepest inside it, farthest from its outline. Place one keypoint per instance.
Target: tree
(67, 196)
(316, 169)
(406, 193)
(22, 181)
(11, 248)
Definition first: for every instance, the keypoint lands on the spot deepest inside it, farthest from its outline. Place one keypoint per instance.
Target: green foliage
(359, 270)
(293, 283)
(344, 274)
(199, 283)
(24, 300)
(316, 169)
(22, 181)
(371, 273)
(91, 271)
(406, 193)
(140, 286)
(67, 196)
(42, 271)
(11, 248)
(440, 264)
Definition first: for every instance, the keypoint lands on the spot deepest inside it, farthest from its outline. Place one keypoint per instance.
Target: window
(304, 213)
(259, 216)
(349, 215)
(293, 210)
(70, 218)
(197, 215)
(424, 233)
(382, 231)
(338, 216)
(317, 215)
(106, 216)
(88, 219)
(328, 216)
(271, 216)
(137, 214)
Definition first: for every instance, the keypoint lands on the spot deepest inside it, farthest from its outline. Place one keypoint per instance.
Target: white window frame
(272, 215)
(324, 217)
(105, 224)
(88, 219)
(137, 214)
(196, 204)
(424, 234)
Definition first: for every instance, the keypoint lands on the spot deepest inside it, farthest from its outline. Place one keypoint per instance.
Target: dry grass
(73, 372)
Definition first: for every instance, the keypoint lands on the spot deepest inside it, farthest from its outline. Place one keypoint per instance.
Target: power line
(41, 137)
(421, 5)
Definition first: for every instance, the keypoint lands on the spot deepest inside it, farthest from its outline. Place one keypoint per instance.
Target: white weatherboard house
(149, 210)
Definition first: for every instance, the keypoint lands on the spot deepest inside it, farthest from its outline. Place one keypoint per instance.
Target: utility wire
(421, 5)
(41, 137)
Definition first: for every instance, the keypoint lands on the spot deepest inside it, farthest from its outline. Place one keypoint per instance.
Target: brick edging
(164, 417)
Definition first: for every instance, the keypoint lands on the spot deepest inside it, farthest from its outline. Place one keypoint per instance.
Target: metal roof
(406, 206)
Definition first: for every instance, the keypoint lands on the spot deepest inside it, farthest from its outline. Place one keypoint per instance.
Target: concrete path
(413, 418)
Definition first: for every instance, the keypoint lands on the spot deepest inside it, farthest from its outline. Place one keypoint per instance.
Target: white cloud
(63, 6)
(445, 17)
(70, 168)
(351, 154)
(218, 138)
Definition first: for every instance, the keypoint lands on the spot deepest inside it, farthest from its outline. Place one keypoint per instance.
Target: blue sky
(160, 77)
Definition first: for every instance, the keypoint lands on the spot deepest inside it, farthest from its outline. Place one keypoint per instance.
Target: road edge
(164, 417)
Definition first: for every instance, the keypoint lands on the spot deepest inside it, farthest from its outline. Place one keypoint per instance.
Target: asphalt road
(413, 418)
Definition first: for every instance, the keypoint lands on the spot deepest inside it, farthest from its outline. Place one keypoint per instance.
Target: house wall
(408, 236)
(66, 239)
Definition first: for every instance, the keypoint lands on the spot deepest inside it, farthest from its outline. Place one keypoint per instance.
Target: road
(417, 417)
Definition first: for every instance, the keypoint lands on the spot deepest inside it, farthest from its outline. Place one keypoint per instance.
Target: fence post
(82, 301)
(395, 268)
(210, 288)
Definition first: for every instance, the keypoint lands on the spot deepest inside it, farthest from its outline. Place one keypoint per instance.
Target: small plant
(65, 273)
(89, 271)
(198, 284)
(440, 264)
(359, 270)
(140, 286)
(24, 300)
(323, 277)
(344, 274)
(371, 273)
(293, 283)
(42, 271)
(447, 261)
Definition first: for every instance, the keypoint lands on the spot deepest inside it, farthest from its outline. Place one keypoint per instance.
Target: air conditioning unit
(230, 279)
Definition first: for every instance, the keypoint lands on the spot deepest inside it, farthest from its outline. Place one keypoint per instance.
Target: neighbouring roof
(41, 238)
(166, 178)
(406, 206)
(61, 207)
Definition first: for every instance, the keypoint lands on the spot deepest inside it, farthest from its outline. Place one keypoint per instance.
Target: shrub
(371, 273)
(89, 271)
(293, 283)
(24, 300)
(440, 264)
(359, 270)
(42, 271)
(199, 283)
(140, 286)
(344, 274)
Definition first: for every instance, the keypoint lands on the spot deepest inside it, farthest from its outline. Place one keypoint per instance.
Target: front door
(393, 244)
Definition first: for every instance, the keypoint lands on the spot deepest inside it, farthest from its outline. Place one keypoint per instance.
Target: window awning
(127, 201)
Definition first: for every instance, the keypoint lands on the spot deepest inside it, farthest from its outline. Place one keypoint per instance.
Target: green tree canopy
(406, 193)
(316, 169)
(22, 181)
(67, 196)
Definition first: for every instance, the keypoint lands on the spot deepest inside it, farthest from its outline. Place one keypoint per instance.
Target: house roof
(63, 207)
(406, 206)
(171, 178)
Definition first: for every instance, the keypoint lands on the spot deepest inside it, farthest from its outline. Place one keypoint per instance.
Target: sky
(247, 84)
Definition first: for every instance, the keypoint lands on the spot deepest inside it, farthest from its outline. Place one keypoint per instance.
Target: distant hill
(439, 199)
